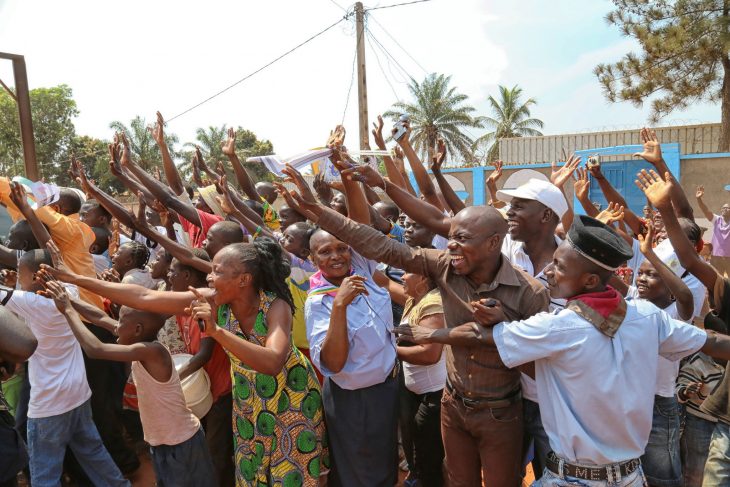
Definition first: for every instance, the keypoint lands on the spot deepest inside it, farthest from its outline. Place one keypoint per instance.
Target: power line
(261, 68)
(390, 56)
(349, 90)
(397, 5)
(377, 59)
(398, 44)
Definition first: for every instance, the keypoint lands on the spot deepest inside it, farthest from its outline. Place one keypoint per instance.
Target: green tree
(143, 146)
(94, 155)
(210, 141)
(438, 111)
(511, 118)
(683, 59)
(52, 110)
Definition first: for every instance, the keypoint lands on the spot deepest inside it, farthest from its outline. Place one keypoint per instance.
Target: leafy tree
(52, 110)
(437, 111)
(143, 146)
(94, 155)
(683, 59)
(511, 118)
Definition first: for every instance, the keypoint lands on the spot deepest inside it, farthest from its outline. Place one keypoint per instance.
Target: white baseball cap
(538, 190)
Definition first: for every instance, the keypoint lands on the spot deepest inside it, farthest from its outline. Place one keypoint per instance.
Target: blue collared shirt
(369, 329)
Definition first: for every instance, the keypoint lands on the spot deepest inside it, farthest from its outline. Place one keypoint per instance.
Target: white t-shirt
(56, 369)
(141, 277)
(667, 370)
(597, 393)
(101, 263)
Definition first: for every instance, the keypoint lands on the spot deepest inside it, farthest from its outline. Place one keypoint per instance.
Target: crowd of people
(363, 326)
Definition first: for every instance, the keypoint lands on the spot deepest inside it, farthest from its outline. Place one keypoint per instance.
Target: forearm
(358, 208)
(705, 210)
(199, 359)
(92, 314)
(680, 291)
(588, 206)
(679, 198)
(378, 221)
(252, 227)
(452, 199)
(425, 185)
(466, 335)
(134, 186)
(243, 178)
(336, 345)
(165, 195)
(424, 213)
(168, 166)
(88, 341)
(391, 170)
(370, 195)
(261, 359)
(177, 250)
(717, 346)
(420, 354)
(39, 230)
(245, 210)
(112, 206)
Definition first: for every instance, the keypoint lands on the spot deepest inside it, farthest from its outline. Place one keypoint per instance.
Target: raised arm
(242, 176)
(581, 185)
(425, 185)
(19, 198)
(424, 213)
(111, 205)
(658, 193)
(680, 291)
(447, 191)
(94, 315)
(491, 184)
(653, 155)
(390, 168)
(160, 191)
(699, 194)
(613, 196)
(173, 177)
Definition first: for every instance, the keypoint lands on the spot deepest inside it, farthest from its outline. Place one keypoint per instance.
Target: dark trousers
(424, 423)
(13, 451)
(405, 423)
(362, 429)
(219, 437)
(187, 464)
(481, 443)
(535, 435)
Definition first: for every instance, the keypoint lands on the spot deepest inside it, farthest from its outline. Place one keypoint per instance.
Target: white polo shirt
(597, 393)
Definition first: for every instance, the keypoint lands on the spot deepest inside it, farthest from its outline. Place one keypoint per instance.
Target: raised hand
(229, 146)
(614, 213)
(378, 133)
(658, 192)
(115, 165)
(652, 148)
(224, 200)
(351, 287)
(399, 159)
(700, 192)
(140, 219)
(646, 241)
(157, 131)
(562, 175)
(79, 175)
(201, 161)
(414, 334)
(126, 158)
(337, 186)
(594, 167)
(439, 156)
(495, 175)
(581, 183)
(204, 311)
(54, 290)
(110, 275)
(8, 277)
(19, 198)
(296, 177)
(336, 139)
(365, 174)
(59, 269)
(114, 242)
(323, 190)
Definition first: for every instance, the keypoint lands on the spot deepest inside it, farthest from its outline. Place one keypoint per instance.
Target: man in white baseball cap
(535, 210)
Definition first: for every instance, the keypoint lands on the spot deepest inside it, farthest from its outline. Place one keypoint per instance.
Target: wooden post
(26, 121)
(362, 88)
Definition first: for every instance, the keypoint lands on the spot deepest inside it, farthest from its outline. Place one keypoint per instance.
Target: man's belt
(615, 470)
(484, 403)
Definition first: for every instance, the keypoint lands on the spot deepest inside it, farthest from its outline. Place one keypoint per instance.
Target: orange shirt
(72, 236)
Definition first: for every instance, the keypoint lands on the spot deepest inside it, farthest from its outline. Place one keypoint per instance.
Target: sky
(137, 57)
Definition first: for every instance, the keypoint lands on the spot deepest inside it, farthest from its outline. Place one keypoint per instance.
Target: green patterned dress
(278, 421)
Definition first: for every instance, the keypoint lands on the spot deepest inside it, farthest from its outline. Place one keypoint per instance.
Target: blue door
(621, 175)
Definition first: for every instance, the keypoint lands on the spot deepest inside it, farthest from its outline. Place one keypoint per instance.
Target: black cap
(598, 243)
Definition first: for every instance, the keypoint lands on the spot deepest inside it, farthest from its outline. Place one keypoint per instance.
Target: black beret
(598, 242)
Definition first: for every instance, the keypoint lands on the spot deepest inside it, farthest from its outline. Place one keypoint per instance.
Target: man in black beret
(595, 360)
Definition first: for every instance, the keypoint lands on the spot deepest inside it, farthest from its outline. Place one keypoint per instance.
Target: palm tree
(210, 141)
(511, 119)
(438, 112)
(143, 146)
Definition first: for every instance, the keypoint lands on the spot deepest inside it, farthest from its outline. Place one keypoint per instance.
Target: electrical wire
(370, 17)
(396, 5)
(349, 90)
(377, 59)
(390, 57)
(308, 40)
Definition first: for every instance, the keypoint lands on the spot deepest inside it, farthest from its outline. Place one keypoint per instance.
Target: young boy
(595, 360)
(179, 453)
(59, 414)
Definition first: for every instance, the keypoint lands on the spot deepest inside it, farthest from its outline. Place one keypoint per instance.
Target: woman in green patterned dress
(277, 408)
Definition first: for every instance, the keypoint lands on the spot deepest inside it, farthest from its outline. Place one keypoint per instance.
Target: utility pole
(22, 98)
(362, 87)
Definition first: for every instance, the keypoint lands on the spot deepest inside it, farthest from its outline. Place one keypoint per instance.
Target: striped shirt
(699, 368)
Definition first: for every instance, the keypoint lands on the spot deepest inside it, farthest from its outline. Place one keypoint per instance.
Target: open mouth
(457, 260)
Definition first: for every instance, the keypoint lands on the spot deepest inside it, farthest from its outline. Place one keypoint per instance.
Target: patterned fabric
(278, 422)
(271, 217)
(170, 336)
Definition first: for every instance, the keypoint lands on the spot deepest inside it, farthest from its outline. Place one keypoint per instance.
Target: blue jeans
(695, 444)
(717, 467)
(534, 433)
(47, 442)
(551, 479)
(661, 460)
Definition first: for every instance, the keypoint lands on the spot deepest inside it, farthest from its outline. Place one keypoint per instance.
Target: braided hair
(140, 254)
(266, 263)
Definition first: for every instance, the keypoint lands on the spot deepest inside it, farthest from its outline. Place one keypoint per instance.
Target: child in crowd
(99, 249)
(179, 453)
